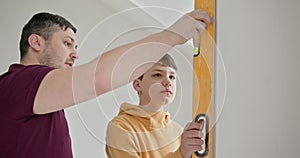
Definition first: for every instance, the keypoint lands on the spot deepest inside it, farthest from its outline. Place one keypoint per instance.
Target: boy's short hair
(166, 60)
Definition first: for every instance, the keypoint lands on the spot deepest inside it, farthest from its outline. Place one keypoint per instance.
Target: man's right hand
(190, 25)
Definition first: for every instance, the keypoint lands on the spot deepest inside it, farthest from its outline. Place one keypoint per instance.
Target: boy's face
(157, 87)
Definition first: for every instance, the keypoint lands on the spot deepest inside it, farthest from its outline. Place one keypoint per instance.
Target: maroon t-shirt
(24, 134)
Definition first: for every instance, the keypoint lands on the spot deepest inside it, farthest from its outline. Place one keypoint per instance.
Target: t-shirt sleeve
(25, 86)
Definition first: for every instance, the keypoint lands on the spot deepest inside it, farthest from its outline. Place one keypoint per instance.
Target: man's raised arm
(62, 88)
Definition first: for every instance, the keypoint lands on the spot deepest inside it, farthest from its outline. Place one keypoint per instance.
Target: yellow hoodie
(135, 133)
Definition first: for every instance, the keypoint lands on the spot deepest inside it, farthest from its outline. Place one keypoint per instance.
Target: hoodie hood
(153, 119)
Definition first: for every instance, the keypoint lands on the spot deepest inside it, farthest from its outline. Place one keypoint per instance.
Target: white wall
(258, 41)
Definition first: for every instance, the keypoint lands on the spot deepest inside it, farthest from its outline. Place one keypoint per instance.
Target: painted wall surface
(257, 68)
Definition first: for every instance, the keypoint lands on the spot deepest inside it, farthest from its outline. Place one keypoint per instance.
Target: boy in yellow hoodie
(146, 130)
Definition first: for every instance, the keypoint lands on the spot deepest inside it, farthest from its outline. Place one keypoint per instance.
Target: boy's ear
(136, 85)
(34, 41)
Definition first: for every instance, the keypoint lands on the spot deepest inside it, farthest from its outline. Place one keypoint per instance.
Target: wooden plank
(203, 92)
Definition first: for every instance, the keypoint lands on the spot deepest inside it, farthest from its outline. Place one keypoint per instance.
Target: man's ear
(34, 41)
(136, 85)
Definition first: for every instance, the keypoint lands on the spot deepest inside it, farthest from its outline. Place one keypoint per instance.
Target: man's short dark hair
(43, 24)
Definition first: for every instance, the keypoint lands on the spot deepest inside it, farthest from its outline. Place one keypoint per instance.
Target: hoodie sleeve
(115, 153)
(119, 142)
(176, 154)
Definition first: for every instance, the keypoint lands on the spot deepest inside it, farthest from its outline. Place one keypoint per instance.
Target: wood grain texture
(203, 92)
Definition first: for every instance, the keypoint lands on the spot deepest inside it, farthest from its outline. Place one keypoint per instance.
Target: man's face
(158, 86)
(60, 50)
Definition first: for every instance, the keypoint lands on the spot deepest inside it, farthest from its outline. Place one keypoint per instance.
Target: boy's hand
(192, 138)
(191, 25)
